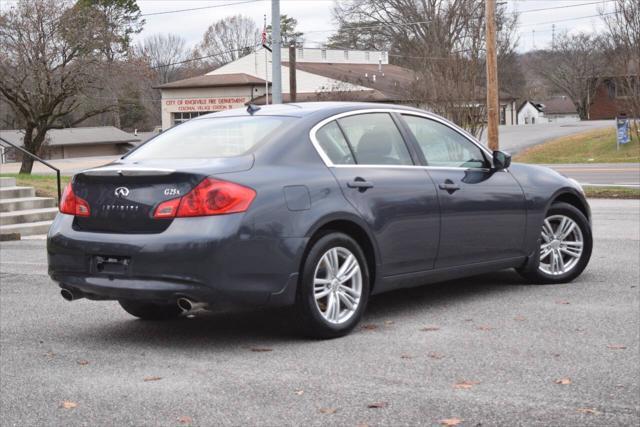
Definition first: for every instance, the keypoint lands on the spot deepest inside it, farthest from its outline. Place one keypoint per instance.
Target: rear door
(483, 210)
(372, 163)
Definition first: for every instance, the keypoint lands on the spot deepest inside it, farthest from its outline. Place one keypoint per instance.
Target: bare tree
(574, 66)
(48, 65)
(621, 45)
(442, 41)
(229, 39)
(164, 54)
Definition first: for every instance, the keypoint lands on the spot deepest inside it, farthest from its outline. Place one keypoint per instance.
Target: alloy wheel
(337, 285)
(562, 244)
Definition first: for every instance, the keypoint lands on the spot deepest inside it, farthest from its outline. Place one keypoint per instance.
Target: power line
(155, 67)
(564, 7)
(367, 27)
(198, 8)
(568, 19)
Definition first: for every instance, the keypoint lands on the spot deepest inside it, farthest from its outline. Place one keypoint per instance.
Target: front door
(378, 177)
(483, 210)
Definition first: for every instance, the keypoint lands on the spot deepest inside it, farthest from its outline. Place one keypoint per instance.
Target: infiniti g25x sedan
(316, 205)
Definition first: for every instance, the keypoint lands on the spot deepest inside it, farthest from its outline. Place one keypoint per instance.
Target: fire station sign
(186, 105)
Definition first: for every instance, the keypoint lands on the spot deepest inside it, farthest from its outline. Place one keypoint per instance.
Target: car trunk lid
(123, 196)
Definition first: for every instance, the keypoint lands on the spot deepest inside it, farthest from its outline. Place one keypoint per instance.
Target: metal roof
(213, 80)
(76, 136)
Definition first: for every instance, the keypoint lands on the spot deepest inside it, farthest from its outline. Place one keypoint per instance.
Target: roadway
(488, 350)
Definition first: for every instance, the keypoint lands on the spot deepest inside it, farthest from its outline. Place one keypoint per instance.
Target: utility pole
(553, 36)
(493, 116)
(276, 60)
(293, 86)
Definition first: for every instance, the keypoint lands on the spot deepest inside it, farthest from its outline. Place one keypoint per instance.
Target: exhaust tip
(67, 294)
(184, 304)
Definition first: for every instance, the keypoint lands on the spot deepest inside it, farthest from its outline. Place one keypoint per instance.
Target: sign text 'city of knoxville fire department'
(205, 104)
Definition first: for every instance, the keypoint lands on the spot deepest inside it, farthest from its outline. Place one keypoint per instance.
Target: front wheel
(334, 287)
(565, 246)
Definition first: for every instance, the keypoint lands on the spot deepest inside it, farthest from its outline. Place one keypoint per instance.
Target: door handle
(360, 184)
(449, 186)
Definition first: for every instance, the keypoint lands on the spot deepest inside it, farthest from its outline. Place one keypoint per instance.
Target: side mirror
(501, 160)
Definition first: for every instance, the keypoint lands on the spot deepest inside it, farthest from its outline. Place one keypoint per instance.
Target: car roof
(302, 109)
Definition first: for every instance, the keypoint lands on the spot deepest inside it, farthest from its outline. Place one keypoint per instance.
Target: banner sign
(622, 125)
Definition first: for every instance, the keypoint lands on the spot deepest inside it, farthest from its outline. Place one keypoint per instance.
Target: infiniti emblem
(122, 192)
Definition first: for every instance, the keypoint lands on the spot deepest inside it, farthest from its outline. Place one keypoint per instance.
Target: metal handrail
(44, 162)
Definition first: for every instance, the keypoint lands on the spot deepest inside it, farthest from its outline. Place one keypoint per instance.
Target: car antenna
(252, 109)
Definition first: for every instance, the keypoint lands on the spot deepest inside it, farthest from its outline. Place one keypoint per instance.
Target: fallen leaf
(465, 385)
(370, 326)
(388, 322)
(556, 354)
(261, 349)
(563, 381)
(435, 355)
(616, 347)
(468, 320)
(299, 392)
(590, 411)
(50, 354)
(377, 405)
(430, 329)
(82, 362)
(520, 318)
(406, 356)
(562, 302)
(185, 419)
(450, 422)
(147, 379)
(328, 410)
(68, 404)
(484, 328)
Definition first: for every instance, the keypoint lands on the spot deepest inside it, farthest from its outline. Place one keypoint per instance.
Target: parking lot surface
(488, 350)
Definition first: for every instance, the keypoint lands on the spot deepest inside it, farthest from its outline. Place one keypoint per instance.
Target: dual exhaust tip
(188, 306)
(185, 304)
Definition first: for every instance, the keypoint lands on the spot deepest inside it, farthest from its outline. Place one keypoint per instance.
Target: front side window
(375, 139)
(443, 146)
(210, 138)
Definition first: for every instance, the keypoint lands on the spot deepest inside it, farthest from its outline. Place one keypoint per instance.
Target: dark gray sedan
(316, 205)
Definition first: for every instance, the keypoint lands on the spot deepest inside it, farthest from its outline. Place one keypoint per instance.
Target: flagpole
(266, 61)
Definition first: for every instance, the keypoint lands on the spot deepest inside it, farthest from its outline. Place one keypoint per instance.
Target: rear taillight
(72, 204)
(210, 197)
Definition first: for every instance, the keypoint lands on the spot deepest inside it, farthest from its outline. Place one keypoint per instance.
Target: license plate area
(111, 265)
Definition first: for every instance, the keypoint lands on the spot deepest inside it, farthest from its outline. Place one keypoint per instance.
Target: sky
(316, 21)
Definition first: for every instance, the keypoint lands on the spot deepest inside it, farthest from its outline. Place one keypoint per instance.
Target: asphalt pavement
(488, 350)
(602, 174)
(514, 139)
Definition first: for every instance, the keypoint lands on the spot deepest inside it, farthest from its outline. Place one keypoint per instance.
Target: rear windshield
(212, 137)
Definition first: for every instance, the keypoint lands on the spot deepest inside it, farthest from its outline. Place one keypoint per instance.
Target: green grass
(612, 192)
(597, 146)
(45, 185)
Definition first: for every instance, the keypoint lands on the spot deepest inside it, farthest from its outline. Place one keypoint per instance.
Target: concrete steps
(21, 212)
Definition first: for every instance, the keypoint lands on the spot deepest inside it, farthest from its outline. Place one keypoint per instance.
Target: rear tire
(556, 260)
(334, 287)
(150, 311)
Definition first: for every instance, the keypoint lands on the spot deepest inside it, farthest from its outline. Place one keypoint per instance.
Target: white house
(559, 109)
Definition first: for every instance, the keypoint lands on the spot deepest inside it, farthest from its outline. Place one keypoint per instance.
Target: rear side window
(375, 139)
(334, 145)
(210, 138)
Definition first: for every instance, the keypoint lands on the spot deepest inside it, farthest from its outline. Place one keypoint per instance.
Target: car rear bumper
(206, 259)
